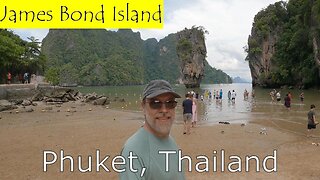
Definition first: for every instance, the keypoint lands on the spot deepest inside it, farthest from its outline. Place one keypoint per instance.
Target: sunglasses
(156, 104)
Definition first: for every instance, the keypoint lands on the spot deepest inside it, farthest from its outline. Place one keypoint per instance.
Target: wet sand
(82, 129)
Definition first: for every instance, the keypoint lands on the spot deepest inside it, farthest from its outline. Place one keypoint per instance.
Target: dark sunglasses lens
(155, 104)
(158, 104)
(171, 104)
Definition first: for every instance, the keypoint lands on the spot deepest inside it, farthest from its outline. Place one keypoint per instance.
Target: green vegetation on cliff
(295, 26)
(18, 56)
(101, 57)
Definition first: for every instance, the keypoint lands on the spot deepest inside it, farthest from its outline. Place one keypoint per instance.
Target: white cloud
(229, 24)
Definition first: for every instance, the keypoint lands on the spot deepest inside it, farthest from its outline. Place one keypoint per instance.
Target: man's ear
(143, 106)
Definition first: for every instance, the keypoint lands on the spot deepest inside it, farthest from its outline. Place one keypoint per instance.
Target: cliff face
(191, 50)
(315, 26)
(283, 48)
(260, 62)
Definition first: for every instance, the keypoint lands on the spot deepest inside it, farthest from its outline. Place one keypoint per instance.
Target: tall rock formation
(262, 50)
(101, 57)
(315, 26)
(191, 50)
(284, 45)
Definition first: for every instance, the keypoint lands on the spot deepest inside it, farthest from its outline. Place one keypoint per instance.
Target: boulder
(100, 101)
(6, 105)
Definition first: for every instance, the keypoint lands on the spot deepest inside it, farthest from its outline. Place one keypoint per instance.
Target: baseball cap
(157, 87)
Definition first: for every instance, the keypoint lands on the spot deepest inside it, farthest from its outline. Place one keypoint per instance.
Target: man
(287, 102)
(149, 142)
(187, 113)
(26, 78)
(278, 96)
(312, 123)
(9, 78)
(233, 96)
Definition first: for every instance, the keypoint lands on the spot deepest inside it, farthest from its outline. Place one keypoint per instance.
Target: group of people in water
(190, 104)
(218, 95)
(276, 96)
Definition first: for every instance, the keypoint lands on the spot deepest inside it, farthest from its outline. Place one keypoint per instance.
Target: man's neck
(147, 127)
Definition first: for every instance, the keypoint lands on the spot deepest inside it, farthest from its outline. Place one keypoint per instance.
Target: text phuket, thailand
(216, 162)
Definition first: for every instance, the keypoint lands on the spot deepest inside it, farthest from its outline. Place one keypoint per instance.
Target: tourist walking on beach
(158, 106)
(220, 95)
(187, 113)
(26, 78)
(252, 93)
(272, 95)
(194, 112)
(302, 97)
(287, 102)
(278, 96)
(217, 96)
(233, 96)
(245, 94)
(229, 95)
(9, 78)
(312, 123)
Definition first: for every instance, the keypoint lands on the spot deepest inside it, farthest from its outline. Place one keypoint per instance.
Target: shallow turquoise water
(258, 109)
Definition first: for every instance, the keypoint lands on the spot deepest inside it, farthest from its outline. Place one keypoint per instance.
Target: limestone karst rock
(191, 50)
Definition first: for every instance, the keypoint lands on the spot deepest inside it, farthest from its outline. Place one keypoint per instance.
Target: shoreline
(82, 129)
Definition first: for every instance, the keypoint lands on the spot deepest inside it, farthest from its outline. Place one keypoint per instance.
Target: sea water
(257, 109)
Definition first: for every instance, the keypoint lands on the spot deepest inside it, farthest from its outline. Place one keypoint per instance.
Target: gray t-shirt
(146, 147)
(310, 117)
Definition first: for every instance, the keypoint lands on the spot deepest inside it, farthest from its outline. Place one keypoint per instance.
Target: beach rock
(26, 103)
(29, 109)
(38, 96)
(90, 97)
(17, 101)
(100, 101)
(6, 105)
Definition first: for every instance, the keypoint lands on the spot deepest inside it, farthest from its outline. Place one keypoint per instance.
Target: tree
(11, 49)
(18, 56)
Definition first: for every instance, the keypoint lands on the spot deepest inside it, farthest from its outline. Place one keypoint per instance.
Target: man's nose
(163, 107)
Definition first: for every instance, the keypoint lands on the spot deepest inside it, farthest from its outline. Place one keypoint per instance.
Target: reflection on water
(259, 109)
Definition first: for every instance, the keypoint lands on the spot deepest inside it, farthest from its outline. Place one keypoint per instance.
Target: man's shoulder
(137, 142)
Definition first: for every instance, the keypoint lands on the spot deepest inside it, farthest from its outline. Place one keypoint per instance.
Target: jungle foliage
(295, 25)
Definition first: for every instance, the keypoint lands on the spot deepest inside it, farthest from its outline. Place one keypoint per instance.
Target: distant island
(239, 80)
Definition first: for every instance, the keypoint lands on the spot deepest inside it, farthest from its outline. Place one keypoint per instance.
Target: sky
(229, 23)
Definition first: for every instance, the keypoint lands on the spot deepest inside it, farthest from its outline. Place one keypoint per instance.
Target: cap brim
(155, 94)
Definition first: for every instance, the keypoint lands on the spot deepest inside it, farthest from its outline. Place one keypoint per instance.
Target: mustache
(163, 114)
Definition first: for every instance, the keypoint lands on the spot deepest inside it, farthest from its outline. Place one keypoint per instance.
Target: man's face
(159, 120)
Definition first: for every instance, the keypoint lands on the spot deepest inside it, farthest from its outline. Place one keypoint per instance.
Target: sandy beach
(82, 129)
